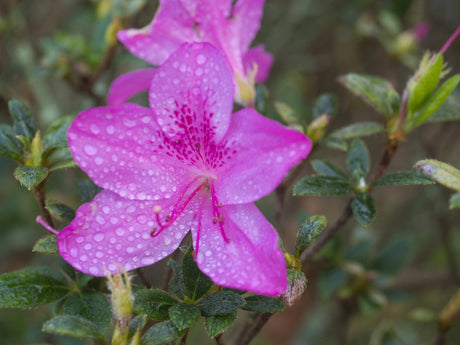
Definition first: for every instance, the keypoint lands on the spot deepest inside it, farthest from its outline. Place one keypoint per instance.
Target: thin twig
(39, 192)
(145, 281)
(220, 339)
(183, 340)
(259, 320)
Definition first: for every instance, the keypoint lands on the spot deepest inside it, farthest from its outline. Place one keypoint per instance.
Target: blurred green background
(409, 254)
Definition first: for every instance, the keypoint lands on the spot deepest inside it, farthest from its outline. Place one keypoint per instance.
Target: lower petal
(258, 56)
(128, 85)
(251, 260)
(110, 233)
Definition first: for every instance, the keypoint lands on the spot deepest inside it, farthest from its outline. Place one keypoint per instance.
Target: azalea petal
(111, 232)
(193, 87)
(171, 26)
(251, 260)
(122, 149)
(247, 15)
(129, 84)
(264, 151)
(258, 56)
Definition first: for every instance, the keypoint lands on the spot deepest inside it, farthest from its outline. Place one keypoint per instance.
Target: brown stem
(39, 192)
(251, 329)
(183, 340)
(145, 281)
(220, 339)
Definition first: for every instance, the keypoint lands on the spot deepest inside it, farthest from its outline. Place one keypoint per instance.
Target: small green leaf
(393, 256)
(10, 146)
(31, 287)
(363, 208)
(61, 210)
(441, 172)
(357, 130)
(454, 201)
(184, 315)
(402, 178)
(196, 282)
(358, 160)
(425, 85)
(161, 333)
(220, 303)
(328, 169)
(176, 285)
(310, 229)
(87, 190)
(56, 135)
(334, 143)
(23, 123)
(322, 185)
(449, 111)
(91, 306)
(137, 324)
(377, 92)
(217, 324)
(29, 177)
(46, 245)
(60, 158)
(263, 304)
(437, 99)
(73, 326)
(153, 303)
(326, 104)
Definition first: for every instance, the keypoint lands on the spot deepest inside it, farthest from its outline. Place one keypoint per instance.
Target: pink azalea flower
(229, 28)
(186, 164)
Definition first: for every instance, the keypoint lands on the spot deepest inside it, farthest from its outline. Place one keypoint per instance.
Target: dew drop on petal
(93, 270)
(147, 261)
(200, 59)
(99, 255)
(98, 237)
(88, 246)
(90, 150)
(110, 129)
(120, 231)
(80, 239)
(74, 252)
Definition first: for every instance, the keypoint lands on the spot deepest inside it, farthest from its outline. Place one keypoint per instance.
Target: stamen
(215, 211)
(450, 40)
(198, 232)
(40, 220)
(154, 230)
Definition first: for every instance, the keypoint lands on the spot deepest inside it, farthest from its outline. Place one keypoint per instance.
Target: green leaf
(358, 160)
(176, 285)
(91, 306)
(331, 280)
(328, 169)
(46, 245)
(56, 135)
(437, 99)
(326, 104)
(263, 304)
(393, 256)
(161, 333)
(310, 229)
(31, 287)
(196, 282)
(153, 303)
(137, 324)
(449, 111)
(377, 92)
(363, 208)
(357, 130)
(23, 123)
(334, 143)
(217, 324)
(184, 315)
(454, 201)
(220, 303)
(29, 177)
(425, 86)
(73, 326)
(322, 185)
(61, 210)
(87, 190)
(441, 172)
(10, 146)
(60, 158)
(402, 178)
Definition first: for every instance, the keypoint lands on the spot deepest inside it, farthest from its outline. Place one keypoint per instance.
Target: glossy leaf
(56, 135)
(358, 160)
(220, 303)
(73, 326)
(23, 123)
(402, 178)
(137, 324)
(10, 146)
(310, 229)
(441, 172)
(91, 306)
(196, 282)
(154, 303)
(217, 324)
(328, 169)
(335, 143)
(46, 245)
(449, 111)
(322, 185)
(31, 287)
(184, 315)
(61, 210)
(87, 190)
(357, 130)
(176, 285)
(326, 104)
(29, 177)
(363, 207)
(454, 201)
(263, 304)
(161, 333)
(377, 92)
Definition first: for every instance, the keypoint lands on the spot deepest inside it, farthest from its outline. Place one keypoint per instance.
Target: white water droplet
(90, 150)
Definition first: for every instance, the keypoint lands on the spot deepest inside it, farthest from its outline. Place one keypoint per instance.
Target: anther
(214, 220)
(221, 219)
(168, 218)
(152, 233)
(157, 209)
(219, 204)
